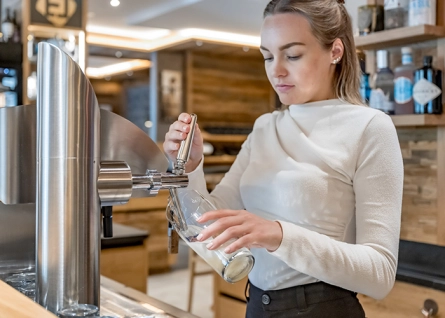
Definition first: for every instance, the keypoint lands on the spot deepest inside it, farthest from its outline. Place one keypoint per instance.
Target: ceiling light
(221, 37)
(115, 3)
(162, 39)
(135, 32)
(118, 68)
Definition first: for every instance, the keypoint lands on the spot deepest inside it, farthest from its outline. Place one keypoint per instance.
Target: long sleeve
(226, 194)
(369, 266)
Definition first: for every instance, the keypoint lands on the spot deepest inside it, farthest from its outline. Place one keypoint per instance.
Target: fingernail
(199, 237)
(199, 219)
(184, 128)
(227, 250)
(209, 246)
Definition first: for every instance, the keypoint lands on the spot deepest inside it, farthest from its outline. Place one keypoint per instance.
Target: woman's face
(298, 67)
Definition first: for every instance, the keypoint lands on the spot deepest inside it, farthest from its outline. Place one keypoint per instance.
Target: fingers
(244, 241)
(177, 132)
(231, 233)
(185, 118)
(218, 214)
(228, 225)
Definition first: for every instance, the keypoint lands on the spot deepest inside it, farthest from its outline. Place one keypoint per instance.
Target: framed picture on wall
(171, 96)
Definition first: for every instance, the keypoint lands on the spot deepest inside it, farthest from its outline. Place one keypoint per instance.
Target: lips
(283, 88)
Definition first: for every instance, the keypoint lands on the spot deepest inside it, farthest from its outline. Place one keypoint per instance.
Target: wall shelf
(223, 138)
(418, 120)
(219, 160)
(399, 37)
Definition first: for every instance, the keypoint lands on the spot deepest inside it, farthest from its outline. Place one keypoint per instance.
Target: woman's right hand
(178, 132)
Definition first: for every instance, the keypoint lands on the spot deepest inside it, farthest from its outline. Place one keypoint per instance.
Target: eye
(294, 58)
(268, 59)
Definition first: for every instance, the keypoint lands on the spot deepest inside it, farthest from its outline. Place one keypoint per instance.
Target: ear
(337, 51)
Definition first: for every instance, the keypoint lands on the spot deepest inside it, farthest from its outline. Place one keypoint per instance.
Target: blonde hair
(329, 21)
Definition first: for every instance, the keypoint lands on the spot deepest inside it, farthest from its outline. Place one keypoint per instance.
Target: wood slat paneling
(419, 209)
(227, 89)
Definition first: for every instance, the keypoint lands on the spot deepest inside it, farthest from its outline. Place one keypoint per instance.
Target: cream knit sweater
(332, 175)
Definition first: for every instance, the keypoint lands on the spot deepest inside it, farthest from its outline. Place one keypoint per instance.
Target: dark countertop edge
(124, 235)
(143, 298)
(420, 279)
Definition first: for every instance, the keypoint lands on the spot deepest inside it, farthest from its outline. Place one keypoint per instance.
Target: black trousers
(318, 300)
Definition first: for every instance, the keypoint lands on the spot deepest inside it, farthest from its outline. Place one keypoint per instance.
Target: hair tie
(341, 1)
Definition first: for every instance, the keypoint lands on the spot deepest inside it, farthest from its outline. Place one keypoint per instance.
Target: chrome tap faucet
(179, 168)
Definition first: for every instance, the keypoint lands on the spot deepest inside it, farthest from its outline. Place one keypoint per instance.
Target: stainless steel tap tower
(85, 160)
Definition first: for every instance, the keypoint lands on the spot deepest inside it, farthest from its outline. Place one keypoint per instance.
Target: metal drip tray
(115, 305)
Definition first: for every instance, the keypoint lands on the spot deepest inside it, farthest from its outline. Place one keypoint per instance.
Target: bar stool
(194, 259)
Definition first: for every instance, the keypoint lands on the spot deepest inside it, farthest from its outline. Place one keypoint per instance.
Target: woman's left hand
(246, 228)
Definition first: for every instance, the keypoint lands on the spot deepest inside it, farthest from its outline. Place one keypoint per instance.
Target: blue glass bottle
(427, 91)
(365, 89)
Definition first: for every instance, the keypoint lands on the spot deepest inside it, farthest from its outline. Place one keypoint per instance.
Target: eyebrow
(283, 47)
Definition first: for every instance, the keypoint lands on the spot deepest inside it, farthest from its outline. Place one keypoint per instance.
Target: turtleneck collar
(327, 102)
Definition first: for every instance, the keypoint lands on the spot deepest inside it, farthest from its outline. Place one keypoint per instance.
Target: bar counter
(115, 298)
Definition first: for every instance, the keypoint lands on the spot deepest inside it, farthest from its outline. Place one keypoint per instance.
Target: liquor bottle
(403, 84)
(396, 13)
(365, 89)
(382, 94)
(427, 91)
(16, 37)
(422, 12)
(7, 27)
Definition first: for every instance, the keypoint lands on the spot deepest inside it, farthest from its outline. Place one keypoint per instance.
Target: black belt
(299, 297)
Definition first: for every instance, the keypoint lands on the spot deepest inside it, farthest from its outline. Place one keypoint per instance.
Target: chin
(289, 100)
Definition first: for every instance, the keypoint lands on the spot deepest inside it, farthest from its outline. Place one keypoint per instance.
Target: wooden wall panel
(227, 89)
(419, 210)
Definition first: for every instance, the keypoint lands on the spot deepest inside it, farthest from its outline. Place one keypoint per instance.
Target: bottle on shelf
(7, 27)
(382, 94)
(16, 36)
(396, 14)
(422, 12)
(427, 91)
(403, 84)
(365, 89)
(370, 19)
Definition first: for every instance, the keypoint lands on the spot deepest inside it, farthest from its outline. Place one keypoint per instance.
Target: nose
(278, 69)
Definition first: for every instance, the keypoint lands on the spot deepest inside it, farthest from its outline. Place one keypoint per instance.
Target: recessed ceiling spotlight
(118, 54)
(199, 43)
(115, 3)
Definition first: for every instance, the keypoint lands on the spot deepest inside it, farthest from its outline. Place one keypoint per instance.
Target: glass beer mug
(231, 267)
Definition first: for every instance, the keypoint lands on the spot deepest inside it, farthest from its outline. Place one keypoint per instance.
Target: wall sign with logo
(57, 13)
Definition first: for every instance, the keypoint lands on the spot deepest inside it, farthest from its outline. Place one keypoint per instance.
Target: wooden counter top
(14, 304)
(146, 301)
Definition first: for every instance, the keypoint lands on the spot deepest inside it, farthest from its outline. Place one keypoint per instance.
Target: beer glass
(232, 267)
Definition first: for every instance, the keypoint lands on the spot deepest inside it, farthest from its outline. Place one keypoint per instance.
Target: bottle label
(380, 100)
(424, 91)
(407, 59)
(422, 12)
(403, 90)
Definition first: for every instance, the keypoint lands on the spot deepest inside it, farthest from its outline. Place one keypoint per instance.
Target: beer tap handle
(184, 149)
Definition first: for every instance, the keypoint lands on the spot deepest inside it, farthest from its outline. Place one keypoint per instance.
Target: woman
(316, 189)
